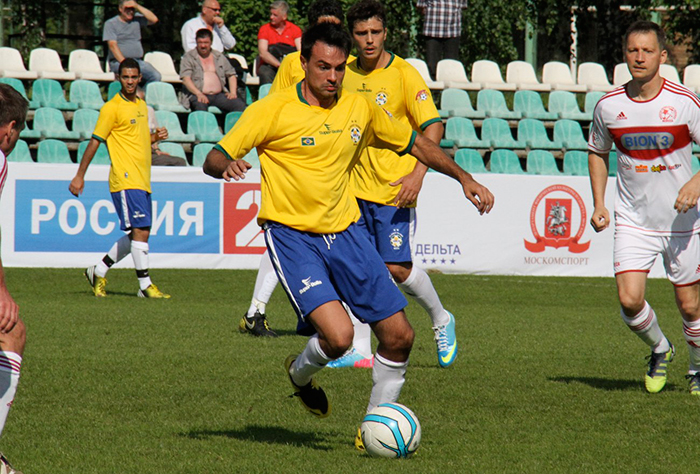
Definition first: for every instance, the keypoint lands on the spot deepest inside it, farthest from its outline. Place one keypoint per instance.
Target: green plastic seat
(592, 99)
(171, 122)
(101, 155)
(576, 163)
(529, 103)
(462, 132)
(231, 119)
(28, 134)
(84, 121)
(470, 161)
(695, 164)
(456, 103)
(53, 151)
(172, 149)
(86, 94)
(113, 89)
(161, 96)
(541, 162)
(492, 103)
(200, 152)
(248, 96)
(612, 164)
(21, 153)
(264, 90)
(570, 133)
(564, 104)
(49, 122)
(497, 132)
(505, 162)
(49, 93)
(252, 158)
(533, 133)
(18, 85)
(204, 127)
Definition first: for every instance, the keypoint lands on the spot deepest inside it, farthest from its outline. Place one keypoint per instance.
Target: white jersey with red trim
(654, 140)
(3, 170)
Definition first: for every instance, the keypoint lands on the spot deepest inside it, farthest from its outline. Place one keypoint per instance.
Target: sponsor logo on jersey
(396, 239)
(674, 167)
(621, 116)
(355, 134)
(381, 98)
(308, 141)
(647, 140)
(668, 114)
(697, 270)
(132, 121)
(422, 95)
(658, 168)
(641, 169)
(308, 284)
(138, 215)
(364, 88)
(328, 130)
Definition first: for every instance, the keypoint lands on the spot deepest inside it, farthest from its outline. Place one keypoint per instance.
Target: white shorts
(636, 252)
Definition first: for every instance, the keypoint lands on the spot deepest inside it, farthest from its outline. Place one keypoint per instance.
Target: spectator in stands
(158, 134)
(206, 74)
(275, 40)
(123, 36)
(442, 28)
(210, 19)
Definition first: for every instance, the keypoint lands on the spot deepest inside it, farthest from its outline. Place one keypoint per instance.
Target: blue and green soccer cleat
(446, 341)
(655, 378)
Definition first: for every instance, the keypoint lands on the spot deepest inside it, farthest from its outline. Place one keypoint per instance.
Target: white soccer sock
(362, 340)
(691, 330)
(419, 286)
(119, 250)
(645, 325)
(265, 284)
(388, 377)
(311, 360)
(10, 364)
(139, 252)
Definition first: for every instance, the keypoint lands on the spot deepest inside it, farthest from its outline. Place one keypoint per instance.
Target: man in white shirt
(210, 19)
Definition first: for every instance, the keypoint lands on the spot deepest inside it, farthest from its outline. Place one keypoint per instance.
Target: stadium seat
(204, 127)
(161, 96)
(456, 103)
(170, 121)
(576, 163)
(86, 94)
(591, 101)
(422, 69)
(252, 78)
(53, 151)
(263, 91)
(252, 158)
(470, 161)
(559, 76)
(452, 73)
(200, 152)
(11, 65)
(49, 122)
(497, 132)
(691, 77)
(248, 96)
(85, 64)
(493, 104)
(612, 164)
(594, 77)
(505, 162)
(522, 74)
(47, 65)
(49, 93)
(669, 71)
(461, 131)
(21, 153)
(214, 110)
(529, 104)
(101, 155)
(114, 89)
(565, 105)
(172, 149)
(19, 87)
(28, 134)
(570, 134)
(164, 64)
(488, 75)
(231, 119)
(533, 133)
(84, 121)
(241, 60)
(541, 162)
(694, 165)
(621, 74)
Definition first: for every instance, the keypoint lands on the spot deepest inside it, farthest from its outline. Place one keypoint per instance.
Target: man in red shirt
(275, 40)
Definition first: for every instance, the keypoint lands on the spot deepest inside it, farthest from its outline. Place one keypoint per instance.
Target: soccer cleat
(352, 359)
(6, 467)
(310, 395)
(256, 325)
(97, 283)
(655, 379)
(359, 445)
(152, 292)
(446, 341)
(694, 383)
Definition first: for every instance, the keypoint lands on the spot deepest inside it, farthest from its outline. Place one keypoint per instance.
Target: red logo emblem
(621, 116)
(667, 114)
(558, 219)
(241, 232)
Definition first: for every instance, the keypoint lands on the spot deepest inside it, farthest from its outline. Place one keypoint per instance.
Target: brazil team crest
(396, 239)
(422, 95)
(355, 134)
(381, 98)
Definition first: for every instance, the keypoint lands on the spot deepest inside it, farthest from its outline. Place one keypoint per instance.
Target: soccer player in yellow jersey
(309, 137)
(123, 125)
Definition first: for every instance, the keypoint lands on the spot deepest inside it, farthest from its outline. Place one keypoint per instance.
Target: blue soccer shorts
(389, 228)
(134, 208)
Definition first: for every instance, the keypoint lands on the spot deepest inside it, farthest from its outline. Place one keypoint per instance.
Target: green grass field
(548, 379)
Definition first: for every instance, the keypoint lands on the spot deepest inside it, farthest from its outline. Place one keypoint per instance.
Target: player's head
(13, 113)
(645, 49)
(325, 10)
(278, 12)
(324, 53)
(204, 40)
(129, 76)
(367, 24)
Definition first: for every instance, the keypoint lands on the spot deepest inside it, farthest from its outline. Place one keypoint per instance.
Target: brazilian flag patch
(308, 141)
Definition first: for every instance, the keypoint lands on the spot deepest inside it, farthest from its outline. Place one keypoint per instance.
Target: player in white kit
(653, 122)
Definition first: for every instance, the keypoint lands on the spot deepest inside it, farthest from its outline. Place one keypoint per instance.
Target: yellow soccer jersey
(403, 93)
(124, 126)
(307, 152)
(290, 71)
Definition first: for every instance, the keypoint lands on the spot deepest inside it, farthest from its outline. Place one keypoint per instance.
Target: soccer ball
(390, 430)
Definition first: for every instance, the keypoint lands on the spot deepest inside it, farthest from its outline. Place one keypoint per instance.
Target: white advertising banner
(539, 225)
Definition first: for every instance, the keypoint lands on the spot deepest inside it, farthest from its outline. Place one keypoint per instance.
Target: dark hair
(328, 33)
(13, 107)
(322, 8)
(643, 26)
(129, 63)
(364, 10)
(204, 33)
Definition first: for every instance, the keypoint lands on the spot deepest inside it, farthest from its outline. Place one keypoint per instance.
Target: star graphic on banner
(425, 260)
(453, 261)
(433, 261)
(443, 261)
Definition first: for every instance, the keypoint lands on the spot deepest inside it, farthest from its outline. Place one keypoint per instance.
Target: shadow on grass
(266, 434)
(607, 384)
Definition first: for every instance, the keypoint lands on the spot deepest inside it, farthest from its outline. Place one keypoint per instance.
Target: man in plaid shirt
(442, 29)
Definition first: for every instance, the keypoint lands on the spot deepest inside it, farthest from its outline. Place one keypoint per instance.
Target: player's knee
(14, 340)
(338, 343)
(631, 303)
(690, 309)
(400, 271)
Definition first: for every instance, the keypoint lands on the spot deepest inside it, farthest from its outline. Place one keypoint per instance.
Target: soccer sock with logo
(119, 250)
(388, 378)
(362, 340)
(265, 284)
(645, 325)
(691, 330)
(10, 363)
(419, 286)
(139, 252)
(311, 360)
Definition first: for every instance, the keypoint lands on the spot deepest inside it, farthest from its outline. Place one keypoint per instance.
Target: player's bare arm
(598, 171)
(218, 166)
(77, 184)
(688, 195)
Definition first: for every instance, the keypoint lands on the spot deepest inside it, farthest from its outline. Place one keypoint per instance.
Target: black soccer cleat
(256, 325)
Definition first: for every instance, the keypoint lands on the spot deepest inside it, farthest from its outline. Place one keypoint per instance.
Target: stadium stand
(529, 104)
(497, 132)
(565, 105)
(86, 94)
(533, 133)
(173, 149)
(668, 71)
(101, 155)
(488, 75)
(570, 134)
(84, 121)
(199, 154)
(505, 162)
(522, 74)
(170, 121)
(49, 93)
(470, 161)
(422, 69)
(11, 65)
(53, 151)
(49, 122)
(85, 64)
(47, 65)
(204, 127)
(594, 77)
(20, 153)
(113, 89)
(493, 104)
(695, 165)
(453, 74)
(28, 133)
(264, 90)
(691, 77)
(576, 163)
(231, 119)
(161, 96)
(164, 64)
(461, 131)
(456, 103)
(541, 162)
(19, 87)
(592, 99)
(612, 163)
(252, 78)
(559, 76)
(621, 74)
